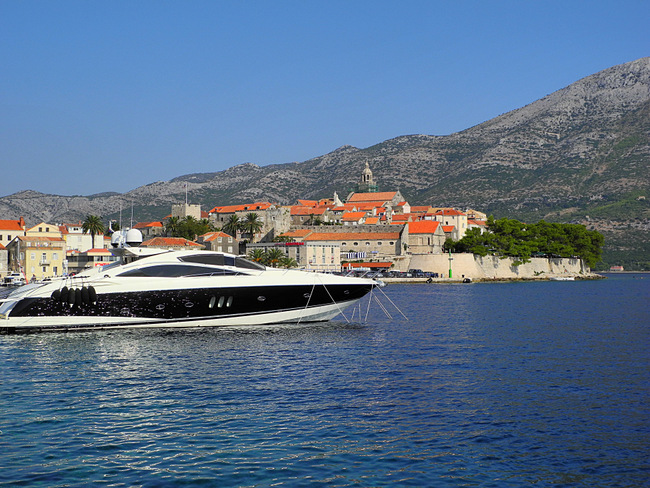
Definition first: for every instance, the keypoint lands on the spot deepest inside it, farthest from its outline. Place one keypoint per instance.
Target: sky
(100, 96)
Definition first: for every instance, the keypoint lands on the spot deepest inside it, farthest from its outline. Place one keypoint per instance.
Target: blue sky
(107, 96)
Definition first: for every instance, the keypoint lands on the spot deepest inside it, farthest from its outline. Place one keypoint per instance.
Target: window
(356, 243)
(55, 256)
(176, 270)
(367, 243)
(379, 243)
(32, 255)
(40, 229)
(44, 257)
(230, 249)
(230, 239)
(392, 243)
(219, 239)
(56, 271)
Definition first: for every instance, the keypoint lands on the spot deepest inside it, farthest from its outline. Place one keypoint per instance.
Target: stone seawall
(493, 267)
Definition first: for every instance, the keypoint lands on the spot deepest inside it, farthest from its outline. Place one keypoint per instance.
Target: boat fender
(85, 296)
(56, 295)
(78, 297)
(64, 294)
(72, 296)
(92, 295)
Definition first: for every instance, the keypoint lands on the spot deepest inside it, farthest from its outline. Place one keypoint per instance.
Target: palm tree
(287, 262)
(256, 255)
(252, 224)
(171, 227)
(94, 226)
(274, 257)
(232, 226)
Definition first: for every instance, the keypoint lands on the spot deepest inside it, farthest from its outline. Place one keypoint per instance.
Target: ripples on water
(513, 384)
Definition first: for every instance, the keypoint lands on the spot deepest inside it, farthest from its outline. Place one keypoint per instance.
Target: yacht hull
(186, 295)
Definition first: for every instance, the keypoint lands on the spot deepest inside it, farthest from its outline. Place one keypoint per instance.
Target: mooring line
(333, 301)
(381, 305)
(393, 304)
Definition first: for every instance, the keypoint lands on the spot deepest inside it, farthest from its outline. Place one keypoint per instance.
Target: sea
(476, 385)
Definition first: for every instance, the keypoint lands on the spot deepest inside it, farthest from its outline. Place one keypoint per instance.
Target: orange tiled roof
(372, 197)
(241, 208)
(170, 241)
(423, 227)
(297, 233)
(10, 225)
(142, 225)
(211, 236)
(419, 208)
(2, 247)
(448, 228)
(372, 220)
(298, 210)
(348, 236)
(449, 211)
(353, 216)
(308, 203)
(402, 217)
(41, 238)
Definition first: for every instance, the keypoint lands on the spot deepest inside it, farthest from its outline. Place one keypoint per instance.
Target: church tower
(367, 183)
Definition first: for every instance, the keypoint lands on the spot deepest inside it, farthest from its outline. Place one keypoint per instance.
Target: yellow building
(38, 257)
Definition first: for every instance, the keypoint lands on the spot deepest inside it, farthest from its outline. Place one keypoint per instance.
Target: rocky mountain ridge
(578, 154)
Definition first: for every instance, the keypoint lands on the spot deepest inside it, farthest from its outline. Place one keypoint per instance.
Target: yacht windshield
(222, 260)
(176, 270)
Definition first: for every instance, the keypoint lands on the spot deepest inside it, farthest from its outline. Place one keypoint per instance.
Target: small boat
(13, 279)
(179, 289)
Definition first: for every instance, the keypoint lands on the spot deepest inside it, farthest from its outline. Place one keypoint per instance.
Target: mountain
(580, 154)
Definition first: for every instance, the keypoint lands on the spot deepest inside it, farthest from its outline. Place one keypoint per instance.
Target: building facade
(38, 257)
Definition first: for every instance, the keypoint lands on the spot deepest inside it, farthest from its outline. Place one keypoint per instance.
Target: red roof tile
(348, 236)
(169, 241)
(372, 197)
(211, 236)
(449, 211)
(353, 216)
(423, 227)
(10, 225)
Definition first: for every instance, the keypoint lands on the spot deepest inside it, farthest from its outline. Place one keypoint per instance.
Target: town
(369, 231)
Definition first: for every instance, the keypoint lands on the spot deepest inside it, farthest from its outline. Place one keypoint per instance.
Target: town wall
(493, 267)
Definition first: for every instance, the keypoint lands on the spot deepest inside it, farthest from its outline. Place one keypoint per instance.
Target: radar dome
(134, 237)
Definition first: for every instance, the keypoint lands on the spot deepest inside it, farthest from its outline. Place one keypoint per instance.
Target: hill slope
(578, 154)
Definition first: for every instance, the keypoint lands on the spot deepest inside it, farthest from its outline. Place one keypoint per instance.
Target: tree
(171, 227)
(274, 257)
(287, 262)
(511, 238)
(232, 226)
(93, 225)
(252, 224)
(256, 255)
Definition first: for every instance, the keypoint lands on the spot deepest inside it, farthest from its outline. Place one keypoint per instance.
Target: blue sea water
(491, 385)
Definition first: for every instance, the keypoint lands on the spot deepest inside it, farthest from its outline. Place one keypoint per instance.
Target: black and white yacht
(179, 289)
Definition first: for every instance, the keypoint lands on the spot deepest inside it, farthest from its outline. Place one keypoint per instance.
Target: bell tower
(367, 183)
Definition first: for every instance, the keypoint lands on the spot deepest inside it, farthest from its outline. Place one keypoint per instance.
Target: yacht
(179, 289)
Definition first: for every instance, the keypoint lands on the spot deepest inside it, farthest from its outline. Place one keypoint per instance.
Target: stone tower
(367, 183)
